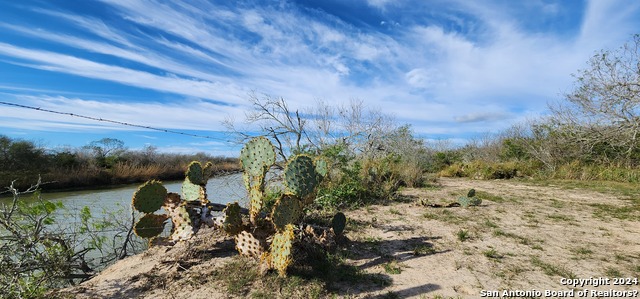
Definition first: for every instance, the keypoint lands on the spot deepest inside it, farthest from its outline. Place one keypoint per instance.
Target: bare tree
(603, 112)
(276, 120)
(313, 128)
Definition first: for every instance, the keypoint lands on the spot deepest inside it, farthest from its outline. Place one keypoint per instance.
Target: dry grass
(120, 173)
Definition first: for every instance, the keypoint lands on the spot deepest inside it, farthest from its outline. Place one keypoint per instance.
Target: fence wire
(113, 121)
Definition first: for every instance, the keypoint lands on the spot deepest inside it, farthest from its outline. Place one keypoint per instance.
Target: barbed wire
(113, 121)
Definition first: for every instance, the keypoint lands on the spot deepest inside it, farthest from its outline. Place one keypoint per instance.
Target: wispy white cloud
(55, 62)
(93, 25)
(146, 136)
(482, 117)
(463, 75)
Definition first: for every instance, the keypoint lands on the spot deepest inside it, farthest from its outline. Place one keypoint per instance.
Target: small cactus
(270, 238)
(186, 215)
(464, 201)
(470, 199)
(338, 223)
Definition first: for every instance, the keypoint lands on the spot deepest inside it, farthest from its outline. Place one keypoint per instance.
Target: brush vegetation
(100, 163)
(592, 135)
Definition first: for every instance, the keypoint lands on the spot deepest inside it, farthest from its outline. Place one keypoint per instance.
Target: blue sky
(452, 69)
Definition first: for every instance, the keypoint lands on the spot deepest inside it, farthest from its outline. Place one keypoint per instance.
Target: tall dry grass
(577, 170)
(120, 173)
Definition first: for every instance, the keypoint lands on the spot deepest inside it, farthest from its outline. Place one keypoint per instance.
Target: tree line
(102, 162)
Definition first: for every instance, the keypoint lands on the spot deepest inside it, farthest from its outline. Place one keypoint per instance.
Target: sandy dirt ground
(529, 241)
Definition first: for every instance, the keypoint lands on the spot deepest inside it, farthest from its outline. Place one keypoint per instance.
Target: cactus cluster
(470, 199)
(271, 236)
(301, 176)
(186, 212)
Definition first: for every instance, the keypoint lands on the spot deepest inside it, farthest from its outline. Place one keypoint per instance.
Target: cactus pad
(464, 201)
(300, 176)
(207, 171)
(195, 174)
(338, 223)
(191, 191)
(257, 156)
(471, 193)
(149, 197)
(281, 247)
(476, 201)
(255, 200)
(172, 201)
(246, 179)
(182, 224)
(248, 245)
(233, 220)
(286, 210)
(150, 225)
(322, 166)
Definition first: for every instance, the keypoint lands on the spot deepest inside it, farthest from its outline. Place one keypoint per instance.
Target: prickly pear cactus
(281, 248)
(286, 210)
(150, 225)
(191, 191)
(256, 158)
(322, 166)
(300, 177)
(186, 215)
(464, 201)
(232, 224)
(195, 174)
(183, 228)
(194, 185)
(470, 199)
(207, 170)
(149, 197)
(248, 245)
(338, 223)
(269, 237)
